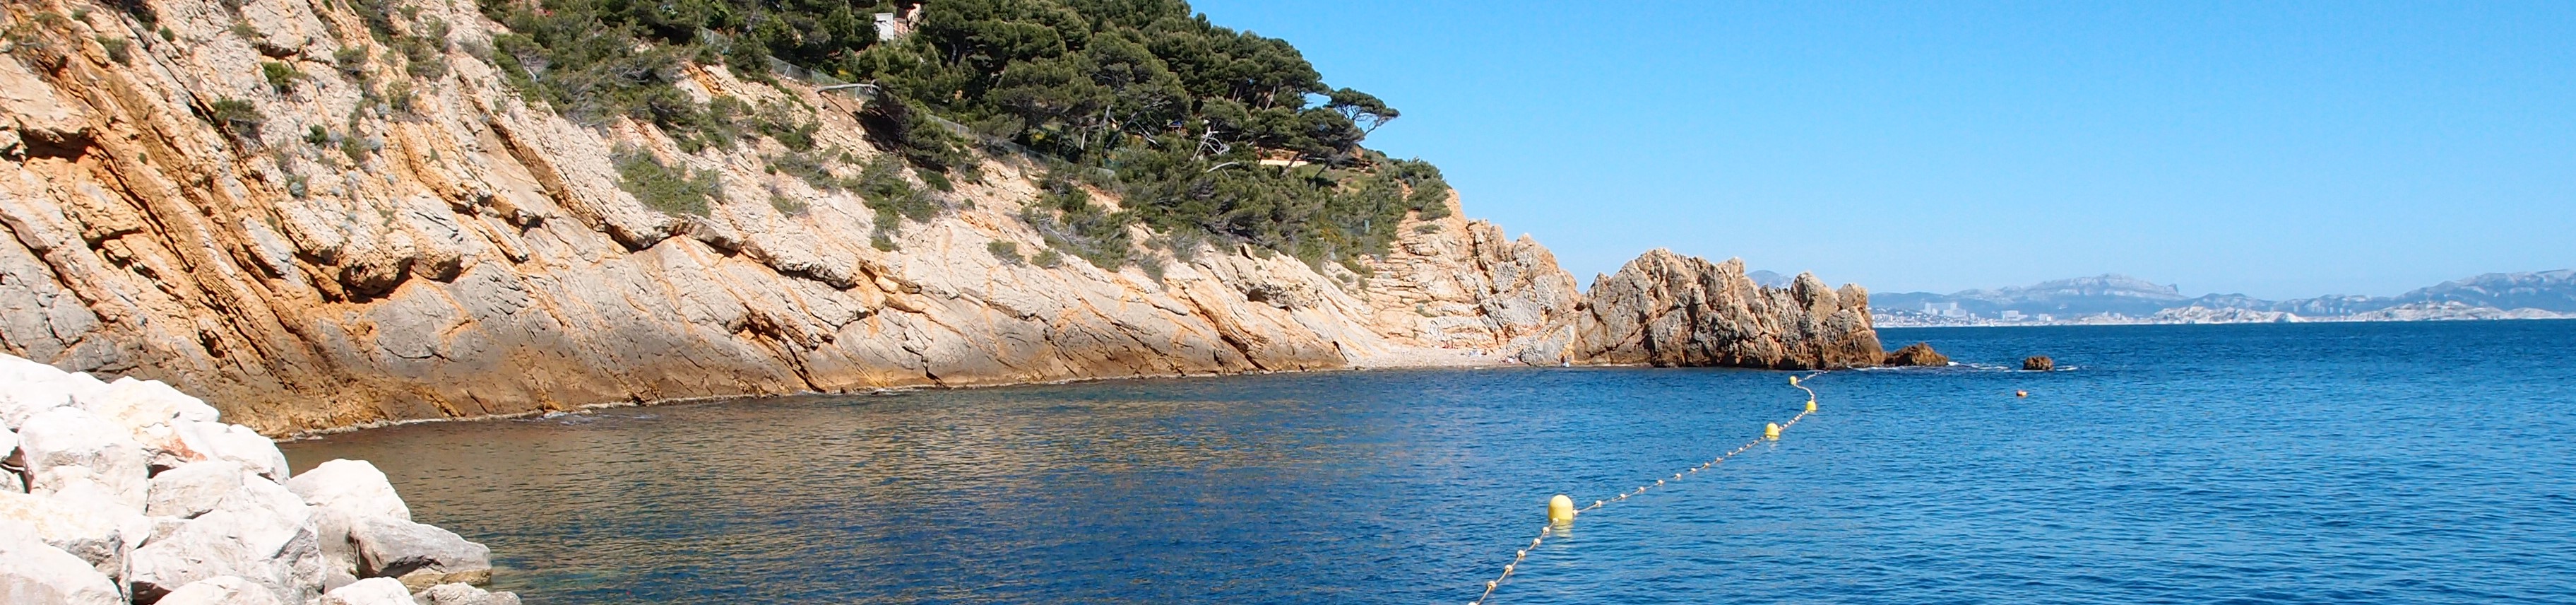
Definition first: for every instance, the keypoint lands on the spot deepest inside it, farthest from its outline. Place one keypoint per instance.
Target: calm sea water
(2339, 463)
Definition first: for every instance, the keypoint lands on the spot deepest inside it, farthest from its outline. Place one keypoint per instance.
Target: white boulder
(137, 404)
(463, 594)
(351, 486)
(220, 590)
(260, 532)
(178, 442)
(32, 572)
(370, 591)
(194, 488)
(35, 388)
(99, 535)
(220, 441)
(73, 437)
(422, 555)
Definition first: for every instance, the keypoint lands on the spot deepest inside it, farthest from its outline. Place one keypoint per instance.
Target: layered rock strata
(306, 254)
(131, 491)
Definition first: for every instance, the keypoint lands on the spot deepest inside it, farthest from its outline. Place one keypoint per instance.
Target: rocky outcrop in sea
(1665, 309)
(133, 492)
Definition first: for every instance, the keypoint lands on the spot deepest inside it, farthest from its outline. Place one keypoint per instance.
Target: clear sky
(2270, 148)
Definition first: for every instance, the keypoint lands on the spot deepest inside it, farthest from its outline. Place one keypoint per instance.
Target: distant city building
(1944, 310)
(2012, 315)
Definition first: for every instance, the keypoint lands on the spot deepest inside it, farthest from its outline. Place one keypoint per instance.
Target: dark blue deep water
(2304, 463)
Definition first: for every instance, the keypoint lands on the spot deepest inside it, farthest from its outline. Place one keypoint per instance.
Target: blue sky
(2270, 148)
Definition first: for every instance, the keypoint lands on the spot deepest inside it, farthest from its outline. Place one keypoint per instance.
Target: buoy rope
(1545, 531)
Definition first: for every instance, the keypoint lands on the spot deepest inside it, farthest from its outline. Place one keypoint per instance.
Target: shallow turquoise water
(2329, 463)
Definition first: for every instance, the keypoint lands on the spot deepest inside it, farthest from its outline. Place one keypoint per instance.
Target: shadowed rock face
(477, 256)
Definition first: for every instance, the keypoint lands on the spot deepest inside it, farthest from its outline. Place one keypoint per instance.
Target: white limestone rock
(191, 440)
(194, 488)
(100, 535)
(143, 403)
(260, 532)
(351, 486)
(422, 555)
(370, 591)
(32, 572)
(220, 590)
(73, 437)
(463, 594)
(36, 388)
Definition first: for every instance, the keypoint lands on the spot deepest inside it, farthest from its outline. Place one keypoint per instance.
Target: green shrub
(784, 123)
(787, 206)
(281, 76)
(882, 188)
(236, 116)
(1009, 252)
(352, 62)
(357, 148)
(1048, 259)
(119, 50)
(805, 168)
(663, 188)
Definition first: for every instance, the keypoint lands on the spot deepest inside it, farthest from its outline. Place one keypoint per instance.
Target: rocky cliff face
(331, 257)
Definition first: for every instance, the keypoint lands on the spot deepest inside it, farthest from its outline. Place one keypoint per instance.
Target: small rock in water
(1917, 354)
(421, 555)
(462, 594)
(2039, 363)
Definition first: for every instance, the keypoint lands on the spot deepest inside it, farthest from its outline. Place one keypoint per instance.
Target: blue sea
(2290, 463)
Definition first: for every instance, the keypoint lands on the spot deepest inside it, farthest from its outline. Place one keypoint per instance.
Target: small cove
(2254, 463)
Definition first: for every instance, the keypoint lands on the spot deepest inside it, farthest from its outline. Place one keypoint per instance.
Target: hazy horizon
(2274, 150)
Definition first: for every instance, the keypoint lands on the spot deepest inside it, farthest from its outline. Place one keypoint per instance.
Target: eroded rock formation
(1670, 310)
(312, 255)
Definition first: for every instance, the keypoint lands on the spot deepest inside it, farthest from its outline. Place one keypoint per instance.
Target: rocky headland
(472, 254)
(133, 492)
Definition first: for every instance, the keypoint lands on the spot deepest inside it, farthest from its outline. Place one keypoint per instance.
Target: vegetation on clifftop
(1141, 98)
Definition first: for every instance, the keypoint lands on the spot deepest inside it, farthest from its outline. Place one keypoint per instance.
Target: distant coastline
(2114, 299)
(2197, 315)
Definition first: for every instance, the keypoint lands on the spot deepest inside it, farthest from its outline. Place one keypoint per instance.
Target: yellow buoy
(1560, 510)
(1771, 431)
(1811, 405)
(1793, 381)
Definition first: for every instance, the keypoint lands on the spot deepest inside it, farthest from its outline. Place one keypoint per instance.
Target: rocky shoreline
(133, 492)
(481, 258)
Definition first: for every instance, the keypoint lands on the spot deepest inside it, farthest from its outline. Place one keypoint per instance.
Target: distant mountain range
(2122, 299)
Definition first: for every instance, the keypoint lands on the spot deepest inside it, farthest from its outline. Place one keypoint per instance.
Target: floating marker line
(1561, 512)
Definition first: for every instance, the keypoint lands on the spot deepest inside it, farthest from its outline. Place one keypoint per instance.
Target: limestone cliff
(330, 257)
